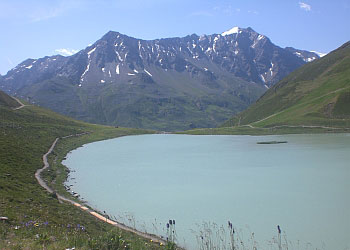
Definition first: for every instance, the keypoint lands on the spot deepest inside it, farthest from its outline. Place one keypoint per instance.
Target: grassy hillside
(7, 101)
(37, 219)
(317, 94)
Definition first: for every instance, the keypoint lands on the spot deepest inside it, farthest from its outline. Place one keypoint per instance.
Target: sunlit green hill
(317, 94)
(31, 217)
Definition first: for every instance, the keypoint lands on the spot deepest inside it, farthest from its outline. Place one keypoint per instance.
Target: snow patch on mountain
(271, 69)
(148, 73)
(320, 54)
(310, 59)
(91, 51)
(86, 70)
(260, 37)
(234, 30)
(119, 57)
(262, 78)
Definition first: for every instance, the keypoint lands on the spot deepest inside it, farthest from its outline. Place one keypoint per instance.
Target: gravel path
(20, 103)
(86, 209)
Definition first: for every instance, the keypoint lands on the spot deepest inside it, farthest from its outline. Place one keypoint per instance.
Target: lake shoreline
(75, 199)
(256, 131)
(124, 138)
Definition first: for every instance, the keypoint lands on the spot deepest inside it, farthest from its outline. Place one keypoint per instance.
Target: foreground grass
(35, 218)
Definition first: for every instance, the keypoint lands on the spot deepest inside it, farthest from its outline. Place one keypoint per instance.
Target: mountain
(317, 94)
(167, 84)
(307, 56)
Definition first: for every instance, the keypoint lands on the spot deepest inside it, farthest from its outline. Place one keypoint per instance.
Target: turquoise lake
(143, 181)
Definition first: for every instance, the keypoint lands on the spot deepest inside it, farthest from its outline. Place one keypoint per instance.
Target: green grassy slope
(36, 220)
(8, 101)
(317, 94)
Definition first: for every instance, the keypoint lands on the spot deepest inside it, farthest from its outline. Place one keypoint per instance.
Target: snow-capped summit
(234, 30)
(131, 82)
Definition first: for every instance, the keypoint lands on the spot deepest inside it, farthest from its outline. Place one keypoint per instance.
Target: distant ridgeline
(317, 94)
(165, 84)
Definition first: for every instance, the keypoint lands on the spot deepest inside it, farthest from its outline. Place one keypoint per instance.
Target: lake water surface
(303, 185)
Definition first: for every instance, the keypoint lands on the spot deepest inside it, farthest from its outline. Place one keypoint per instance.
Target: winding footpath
(42, 183)
(21, 105)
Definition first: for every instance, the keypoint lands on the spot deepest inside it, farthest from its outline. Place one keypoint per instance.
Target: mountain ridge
(168, 84)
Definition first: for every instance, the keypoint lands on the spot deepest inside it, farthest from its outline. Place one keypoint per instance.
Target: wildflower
(17, 227)
(36, 224)
(46, 223)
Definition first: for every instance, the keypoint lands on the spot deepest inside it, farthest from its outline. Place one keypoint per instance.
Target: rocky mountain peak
(234, 63)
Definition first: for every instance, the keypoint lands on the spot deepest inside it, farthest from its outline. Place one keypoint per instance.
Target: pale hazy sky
(37, 28)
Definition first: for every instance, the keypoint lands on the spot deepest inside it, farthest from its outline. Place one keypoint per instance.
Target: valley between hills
(305, 97)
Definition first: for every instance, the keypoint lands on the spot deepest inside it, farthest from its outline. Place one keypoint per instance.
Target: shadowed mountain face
(168, 84)
(317, 94)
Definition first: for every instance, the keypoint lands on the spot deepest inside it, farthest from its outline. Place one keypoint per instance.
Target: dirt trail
(20, 103)
(84, 208)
